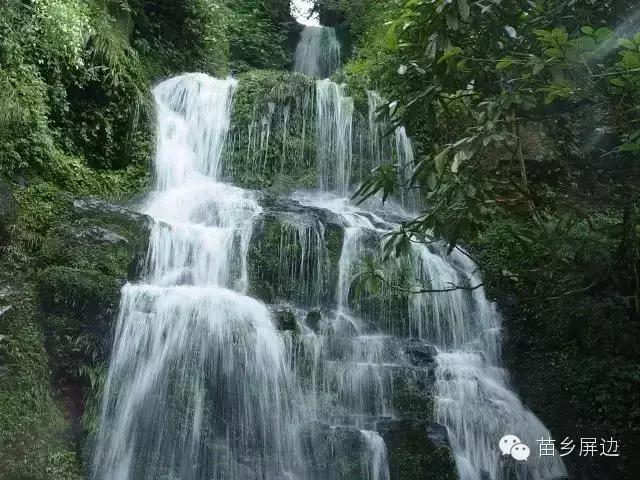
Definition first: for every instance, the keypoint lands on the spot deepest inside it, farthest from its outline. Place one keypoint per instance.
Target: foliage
(33, 440)
(525, 118)
(569, 313)
(491, 70)
(254, 41)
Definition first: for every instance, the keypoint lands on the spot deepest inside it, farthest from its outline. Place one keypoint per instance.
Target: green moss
(414, 455)
(79, 291)
(275, 248)
(262, 100)
(411, 398)
(35, 440)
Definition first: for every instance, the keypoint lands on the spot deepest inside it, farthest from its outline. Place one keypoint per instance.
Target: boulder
(313, 319)
(413, 392)
(293, 254)
(87, 259)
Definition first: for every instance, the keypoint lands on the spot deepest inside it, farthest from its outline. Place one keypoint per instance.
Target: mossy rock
(413, 393)
(293, 256)
(281, 104)
(83, 294)
(417, 450)
(313, 319)
(285, 319)
(333, 452)
(86, 260)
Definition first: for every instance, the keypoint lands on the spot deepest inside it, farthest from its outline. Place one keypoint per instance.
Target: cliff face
(56, 330)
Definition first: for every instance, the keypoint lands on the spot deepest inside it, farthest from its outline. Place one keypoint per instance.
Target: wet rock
(285, 319)
(314, 317)
(288, 207)
(99, 209)
(417, 450)
(420, 354)
(413, 392)
(332, 452)
(294, 258)
(100, 236)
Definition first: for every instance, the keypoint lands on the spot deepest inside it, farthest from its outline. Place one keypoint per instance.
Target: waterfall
(201, 383)
(334, 125)
(318, 52)
(472, 397)
(198, 375)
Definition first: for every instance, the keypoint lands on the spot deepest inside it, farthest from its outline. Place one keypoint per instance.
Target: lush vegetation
(76, 119)
(525, 116)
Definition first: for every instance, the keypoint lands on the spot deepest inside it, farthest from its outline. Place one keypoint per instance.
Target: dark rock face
(417, 450)
(413, 392)
(314, 317)
(285, 319)
(8, 211)
(334, 453)
(88, 259)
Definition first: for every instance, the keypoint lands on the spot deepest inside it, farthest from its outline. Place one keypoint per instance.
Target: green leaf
(451, 52)
(432, 181)
(626, 43)
(452, 20)
(602, 33)
(440, 160)
(553, 53)
(630, 147)
(391, 39)
(587, 30)
(504, 63)
(617, 81)
(463, 7)
(455, 165)
(631, 60)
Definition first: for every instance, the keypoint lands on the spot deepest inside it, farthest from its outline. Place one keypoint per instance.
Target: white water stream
(318, 52)
(202, 386)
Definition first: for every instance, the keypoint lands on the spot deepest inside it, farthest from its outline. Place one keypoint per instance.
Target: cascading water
(198, 376)
(318, 52)
(334, 125)
(472, 398)
(202, 385)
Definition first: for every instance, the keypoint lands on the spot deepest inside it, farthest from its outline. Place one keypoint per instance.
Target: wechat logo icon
(511, 445)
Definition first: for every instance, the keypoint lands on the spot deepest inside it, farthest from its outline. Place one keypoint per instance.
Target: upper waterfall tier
(318, 52)
(195, 112)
